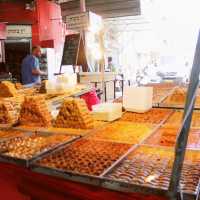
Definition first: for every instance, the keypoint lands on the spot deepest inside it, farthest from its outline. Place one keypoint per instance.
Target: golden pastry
(74, 114)
(28, 147)
(7, 89)
(151, 167)
(154, 116)
(85, 156)
(176, 119)
(124, 132)
(34, 112)
(178, 97)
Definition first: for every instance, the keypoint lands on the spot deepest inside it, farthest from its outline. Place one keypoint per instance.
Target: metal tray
(161, 122)
(151, 132)
(124, 186)
(26, 162)
(71, 175)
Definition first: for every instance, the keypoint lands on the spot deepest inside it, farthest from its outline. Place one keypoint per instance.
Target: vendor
(30, 70)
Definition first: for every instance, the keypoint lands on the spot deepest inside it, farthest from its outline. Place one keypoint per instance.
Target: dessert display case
(132, 154)
(142, 168)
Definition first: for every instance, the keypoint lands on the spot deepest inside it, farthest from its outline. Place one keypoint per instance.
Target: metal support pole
(102, 63)
(82, 6)
(184, 132)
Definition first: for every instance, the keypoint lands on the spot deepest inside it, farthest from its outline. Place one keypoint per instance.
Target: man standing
(30, 67)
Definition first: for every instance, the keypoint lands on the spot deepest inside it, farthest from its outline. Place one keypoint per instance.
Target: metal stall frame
(174, 191)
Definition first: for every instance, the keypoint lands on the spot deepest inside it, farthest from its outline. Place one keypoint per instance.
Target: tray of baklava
(151, 167)
(24, 149)
(8, 133)
(123, 132)
(176, 118)
(153, 116)
(177, 99)
(167, 136)
(82, 158)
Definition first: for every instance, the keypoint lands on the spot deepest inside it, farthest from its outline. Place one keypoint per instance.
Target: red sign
(2, 31)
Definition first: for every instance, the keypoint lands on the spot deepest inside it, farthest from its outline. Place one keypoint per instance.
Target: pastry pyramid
(8, 113)
(74, 114)
(7, 89)
(34, 112)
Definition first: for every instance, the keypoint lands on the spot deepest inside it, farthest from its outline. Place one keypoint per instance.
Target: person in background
(30, 69)
(111, 67)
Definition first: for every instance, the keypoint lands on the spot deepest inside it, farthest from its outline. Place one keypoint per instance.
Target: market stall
(53, 147)
(71, 155)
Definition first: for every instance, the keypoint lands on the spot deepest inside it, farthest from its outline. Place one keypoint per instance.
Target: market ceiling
(105, 8)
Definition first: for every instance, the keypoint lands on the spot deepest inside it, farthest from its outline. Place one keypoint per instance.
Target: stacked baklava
(34, 112)
(7, 89)
(8, 113)
(74, 114)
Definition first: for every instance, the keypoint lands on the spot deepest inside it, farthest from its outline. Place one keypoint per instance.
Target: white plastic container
(138, 99)
(107, 111)
(64, 83)
(67, 79)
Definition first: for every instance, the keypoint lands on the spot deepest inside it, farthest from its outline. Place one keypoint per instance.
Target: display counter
(130, 158)
(74, 157)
